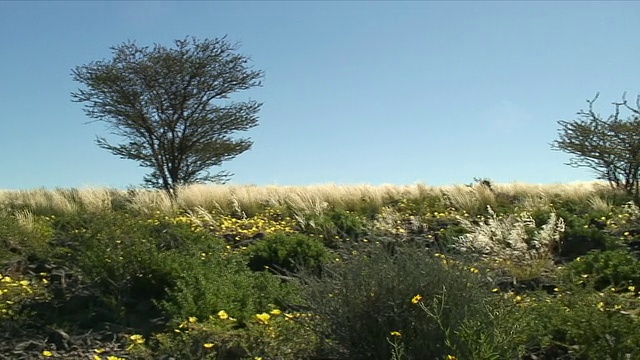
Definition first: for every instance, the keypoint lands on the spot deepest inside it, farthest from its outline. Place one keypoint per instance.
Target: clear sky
(354, 92)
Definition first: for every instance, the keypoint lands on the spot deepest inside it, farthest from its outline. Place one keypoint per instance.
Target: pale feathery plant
(598, 203)
(96, 199)
(306, 213)
(237, 210)
(202, 218)
(461, 198)
(469, 198)
(25, 219)
(43, 201)
(388, 220)
(533, 202)
(148, 201)
(508, 237)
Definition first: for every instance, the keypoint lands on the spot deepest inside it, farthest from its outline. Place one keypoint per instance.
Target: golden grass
(311, 198)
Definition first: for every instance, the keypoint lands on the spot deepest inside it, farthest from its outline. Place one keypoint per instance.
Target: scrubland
(479, 271)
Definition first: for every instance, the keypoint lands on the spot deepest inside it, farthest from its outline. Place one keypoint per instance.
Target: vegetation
(485, 271)
(610, 147)
(161, 101)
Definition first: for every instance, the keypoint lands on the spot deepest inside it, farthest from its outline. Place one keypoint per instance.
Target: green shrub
(287, 252)
(584, 233)
(617, 268)
(579, 324)
(365, 297)
(348, 224)
(16, 292)
(123, 264)
(220, 280)
(268, 335)
(23, 236)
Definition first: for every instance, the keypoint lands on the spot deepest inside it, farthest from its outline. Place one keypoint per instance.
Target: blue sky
(354, 92)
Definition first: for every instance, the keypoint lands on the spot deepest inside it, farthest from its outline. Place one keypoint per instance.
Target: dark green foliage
(160, 100)
(348, 224)
(541, 216)
(579, 324)
(23, 242)
(617, 268)
(217, 282)
(579, 241)
(364, 297)
(131, 270)
(287, 252)
(584, 233)
(123, 260)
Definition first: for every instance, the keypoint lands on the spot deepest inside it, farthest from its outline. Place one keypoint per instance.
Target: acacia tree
(610, 147)
(165, 102)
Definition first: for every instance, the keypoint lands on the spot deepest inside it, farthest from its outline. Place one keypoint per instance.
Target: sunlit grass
(312, 198)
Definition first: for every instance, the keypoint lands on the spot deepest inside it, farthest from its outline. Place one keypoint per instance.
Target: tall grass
(313, 198)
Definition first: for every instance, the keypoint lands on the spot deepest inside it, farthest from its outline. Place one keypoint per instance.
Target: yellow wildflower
(416, 299)
(208, 345)
(138, 339)
(264, 318)
(223, 315)
(47, 353)
(396, 333)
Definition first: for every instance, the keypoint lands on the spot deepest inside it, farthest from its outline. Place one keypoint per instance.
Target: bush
(287, 252)
(364, 298)
(579, 324)
(220, 280)
(121, 264)
(16, 292)
(269, 335)
(348, 224)
(24, 236)
(617, 268)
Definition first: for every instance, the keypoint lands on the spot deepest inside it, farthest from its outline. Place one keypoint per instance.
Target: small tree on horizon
(610, 147)
(161, 101)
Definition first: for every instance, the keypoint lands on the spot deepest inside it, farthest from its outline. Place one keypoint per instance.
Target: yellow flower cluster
(98, 356)
(268, 222)
(251, 226)
(14, 291)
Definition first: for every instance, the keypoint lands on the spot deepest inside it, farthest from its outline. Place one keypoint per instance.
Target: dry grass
(312, 198)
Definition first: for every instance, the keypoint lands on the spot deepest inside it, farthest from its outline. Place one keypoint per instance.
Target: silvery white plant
(509, 237)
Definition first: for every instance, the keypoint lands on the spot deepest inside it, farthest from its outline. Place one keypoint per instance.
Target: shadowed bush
(362, 299)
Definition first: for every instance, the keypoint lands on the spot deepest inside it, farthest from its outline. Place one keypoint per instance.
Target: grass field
(479, 271)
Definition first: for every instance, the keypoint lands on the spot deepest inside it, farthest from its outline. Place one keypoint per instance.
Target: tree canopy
(167, 104)
(609, 146)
